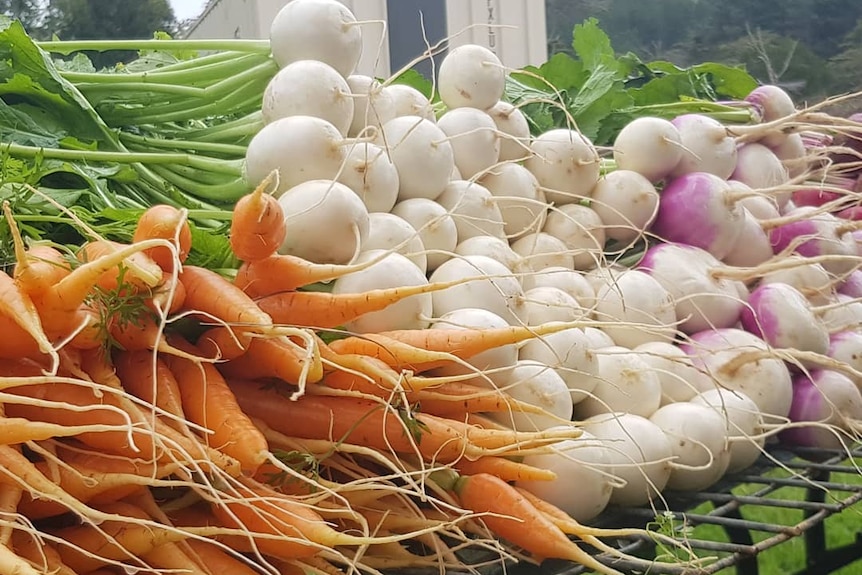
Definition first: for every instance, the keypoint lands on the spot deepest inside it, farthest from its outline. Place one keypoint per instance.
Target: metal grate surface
(823, 476)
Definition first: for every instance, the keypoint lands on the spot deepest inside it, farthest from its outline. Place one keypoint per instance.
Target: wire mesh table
(818, 472)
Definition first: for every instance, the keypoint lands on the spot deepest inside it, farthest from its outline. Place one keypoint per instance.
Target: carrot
(448, 399)
(10, 497)
(373, 424)
(40, 266)
(16, 306)
(219, 561)
(170, 555)
(510, 515)
(327, 310)
(257, 228)
(223, 342)
(209, 402)
(167, 223)
(43, 554)
(142, 334)
(17, 343)
(114, 540)
(504, 468)
(135, 272)
(280, 273)
(277, 357)
(209, 293)
(150, 379)
(167, 300)
(421, 349)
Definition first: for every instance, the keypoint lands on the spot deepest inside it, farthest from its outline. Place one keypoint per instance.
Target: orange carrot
(280, 273)
(171, 556)
(509, 515)
(128, 542)
(274, 357)
(16, 305)
(257, 227)
(219, 561)
(505, 469)
(223, 342)
(17, 343)
(42, 554)
(370, 423)
(328, 310)
(10, 498)
(167, 223)
(209, 293)
(209, 402)
(421, 349)
(136, 271)
(150, 379)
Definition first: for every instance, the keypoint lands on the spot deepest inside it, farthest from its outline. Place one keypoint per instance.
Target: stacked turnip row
(743, 313)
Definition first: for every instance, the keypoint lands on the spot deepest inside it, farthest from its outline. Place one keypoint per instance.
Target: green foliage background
(813, 48)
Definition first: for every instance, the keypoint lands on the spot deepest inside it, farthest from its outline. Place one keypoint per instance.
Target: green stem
(209, 72)
(200, 176)
(222, 215)
(229, 131)
(226, 193)
(211, 164)
(140, 89)
(235, 45)
(177, 144)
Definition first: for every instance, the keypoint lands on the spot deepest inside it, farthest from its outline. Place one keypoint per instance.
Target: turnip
(568, 280)
(392, 271)
(793, 155)
(499, 291)
(422, 155)
(832, 404)
(536, 384)
(493, 247)
(565, 163)
(702, 298)
(547, 304)
(518, 195)
(542, 250)
(840, 313)
(471, 76)
(408, 101)
(626, 202)
(373, 105)
(584, 462)
(640, 454)
(851, 285)
(809, 278)
(323, 30)
(370, 173)
(699, 441)
(625, 383)
(761, 207)
(474, 140)
(744, 424)
(846, 346)
(513, 129)
(706, 146)
(435, 226)
(810, 232)
(752, 246)
(679, 379)
(597, 338)
(327, 222)
(780, 315)
(773, 104)
(735, 359)
(650, 146)
(472, 208)
(638, 308)
(758, 167)
(582, 230)
(389, 232)
(492, 366)
(309, 88)
(698, 209)
(568, 352)
(301, 148)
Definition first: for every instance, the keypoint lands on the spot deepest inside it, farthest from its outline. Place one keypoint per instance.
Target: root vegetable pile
(441, 315)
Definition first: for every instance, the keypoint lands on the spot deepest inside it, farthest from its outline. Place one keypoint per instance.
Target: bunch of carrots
(157, 416)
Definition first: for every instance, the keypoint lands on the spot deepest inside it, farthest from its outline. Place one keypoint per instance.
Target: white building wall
(517, 33)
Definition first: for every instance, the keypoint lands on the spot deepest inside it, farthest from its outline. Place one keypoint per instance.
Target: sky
(185, 9)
